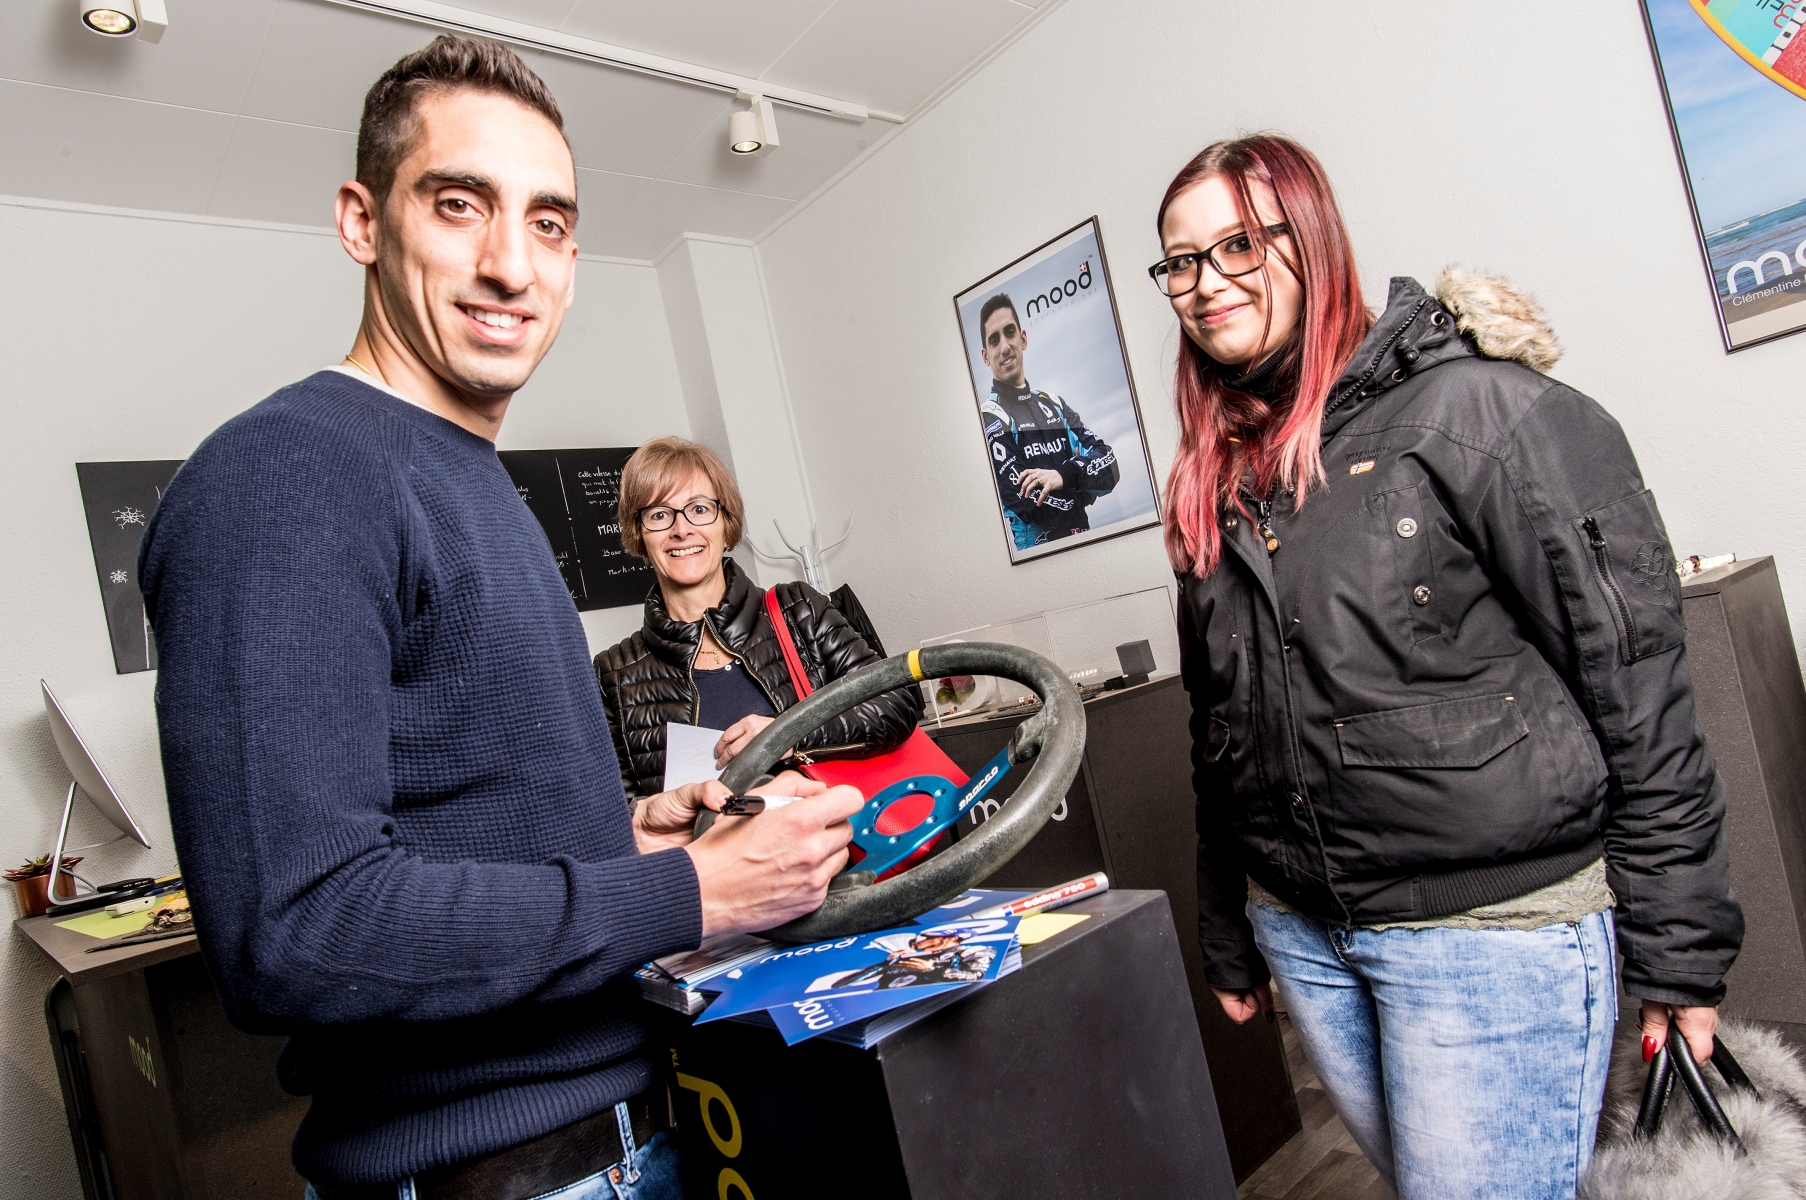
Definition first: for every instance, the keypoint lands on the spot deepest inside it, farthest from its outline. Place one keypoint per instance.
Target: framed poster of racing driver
(1061, 427)
(1734, 78)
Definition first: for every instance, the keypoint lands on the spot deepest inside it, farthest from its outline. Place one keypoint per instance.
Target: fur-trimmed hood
(1503, 322)
(1469, 316)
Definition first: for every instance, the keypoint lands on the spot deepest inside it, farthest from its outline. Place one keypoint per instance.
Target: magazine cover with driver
(942, 949)
(865, 1018)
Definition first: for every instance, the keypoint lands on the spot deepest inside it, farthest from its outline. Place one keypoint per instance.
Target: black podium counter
(1752, 709)
(1130, 814)
(1080, 1075)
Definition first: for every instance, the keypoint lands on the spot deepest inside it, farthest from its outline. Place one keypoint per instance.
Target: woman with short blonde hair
(664, 464)
(706, 653)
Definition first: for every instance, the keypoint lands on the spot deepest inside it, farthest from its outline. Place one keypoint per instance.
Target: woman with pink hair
(1445, 752)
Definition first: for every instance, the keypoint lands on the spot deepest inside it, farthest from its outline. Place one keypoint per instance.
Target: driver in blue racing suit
(933, 957)
(1049, 467)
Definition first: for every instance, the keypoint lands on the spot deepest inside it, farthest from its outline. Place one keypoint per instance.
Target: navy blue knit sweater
(392, 786)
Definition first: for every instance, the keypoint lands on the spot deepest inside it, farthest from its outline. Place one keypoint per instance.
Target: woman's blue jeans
(1465, 1063)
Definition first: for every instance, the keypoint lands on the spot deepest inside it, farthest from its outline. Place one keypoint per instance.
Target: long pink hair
(1280, 440)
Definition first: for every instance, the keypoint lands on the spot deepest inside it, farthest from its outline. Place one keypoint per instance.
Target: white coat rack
(815, 571)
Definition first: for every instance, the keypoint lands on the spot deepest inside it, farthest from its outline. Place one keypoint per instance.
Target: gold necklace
(366, 370)
(716, 657)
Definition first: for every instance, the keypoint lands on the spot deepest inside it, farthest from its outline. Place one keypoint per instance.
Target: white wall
(132, 338)
(611, 380)
(1527, 138)
(734, 391)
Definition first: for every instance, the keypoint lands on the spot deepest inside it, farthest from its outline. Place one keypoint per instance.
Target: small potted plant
(32, 883)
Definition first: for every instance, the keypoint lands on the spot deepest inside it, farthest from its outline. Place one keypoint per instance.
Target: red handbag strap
(799, 678)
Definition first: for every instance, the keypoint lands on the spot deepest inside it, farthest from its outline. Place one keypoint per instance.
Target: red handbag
(917, 756)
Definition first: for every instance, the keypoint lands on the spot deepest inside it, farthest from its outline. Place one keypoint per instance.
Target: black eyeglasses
(698, 512)
(1235, 255)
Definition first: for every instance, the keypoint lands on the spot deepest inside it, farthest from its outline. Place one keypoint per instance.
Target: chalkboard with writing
(120, 498)
(574, 494)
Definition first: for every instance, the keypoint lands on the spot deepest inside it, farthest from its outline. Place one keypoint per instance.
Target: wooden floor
(1322, 1162)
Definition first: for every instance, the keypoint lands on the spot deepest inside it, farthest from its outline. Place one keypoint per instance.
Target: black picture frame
(1777, 309)
(1103, 357)
(119, 499)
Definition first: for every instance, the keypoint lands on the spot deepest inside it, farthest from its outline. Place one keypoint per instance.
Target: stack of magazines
(857, 989)
(675, 980)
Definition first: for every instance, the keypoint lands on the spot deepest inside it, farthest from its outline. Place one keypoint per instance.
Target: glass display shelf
(1082, 639)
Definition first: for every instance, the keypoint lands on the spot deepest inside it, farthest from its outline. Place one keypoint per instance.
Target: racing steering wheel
(1054, 739)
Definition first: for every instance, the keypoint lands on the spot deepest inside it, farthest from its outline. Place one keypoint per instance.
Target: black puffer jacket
(1463, 667)
(646, 680)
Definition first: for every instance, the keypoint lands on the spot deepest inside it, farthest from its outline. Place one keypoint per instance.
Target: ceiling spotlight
(124, 18)
(753, 128)
(743, 132)
(108, 21)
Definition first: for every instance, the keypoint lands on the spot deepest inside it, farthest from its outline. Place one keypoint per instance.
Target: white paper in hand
(689, 754)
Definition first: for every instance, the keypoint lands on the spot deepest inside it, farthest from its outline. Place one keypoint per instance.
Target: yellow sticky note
(103, 924)
(1042, 926)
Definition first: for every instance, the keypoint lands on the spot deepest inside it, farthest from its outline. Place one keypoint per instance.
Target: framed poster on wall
(574, 493)
(1733, 76)
(1056, 406)
(119, 499)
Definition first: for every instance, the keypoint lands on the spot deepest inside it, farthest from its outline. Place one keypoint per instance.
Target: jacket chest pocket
(1401, 517)
(1457, 734)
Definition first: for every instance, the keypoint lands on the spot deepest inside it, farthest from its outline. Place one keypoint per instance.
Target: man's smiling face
(1004, 344)
(477, 252)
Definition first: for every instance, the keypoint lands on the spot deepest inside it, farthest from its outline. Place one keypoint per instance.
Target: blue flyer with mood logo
(853, 978)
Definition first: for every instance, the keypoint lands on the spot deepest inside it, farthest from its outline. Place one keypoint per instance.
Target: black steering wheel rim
(1053, 738)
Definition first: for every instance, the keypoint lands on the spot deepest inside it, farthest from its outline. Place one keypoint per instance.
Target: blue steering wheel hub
(909, 814)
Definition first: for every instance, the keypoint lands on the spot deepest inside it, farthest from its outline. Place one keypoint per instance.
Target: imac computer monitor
(87, 770)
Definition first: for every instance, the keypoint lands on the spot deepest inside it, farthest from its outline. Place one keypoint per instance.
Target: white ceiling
(249, 108)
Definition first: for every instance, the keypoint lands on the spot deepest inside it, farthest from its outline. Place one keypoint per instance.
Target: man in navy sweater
(390, 778)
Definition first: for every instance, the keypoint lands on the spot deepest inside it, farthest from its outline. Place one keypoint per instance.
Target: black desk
(1130, 814)
(166, 1101)
(1081, 1075)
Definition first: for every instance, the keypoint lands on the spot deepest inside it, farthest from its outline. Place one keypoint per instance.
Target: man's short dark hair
(1000, 300)
(391, 121)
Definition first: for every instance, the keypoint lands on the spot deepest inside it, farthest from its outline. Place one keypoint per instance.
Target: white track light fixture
(147, 19)
(743, 132)
(753, 128)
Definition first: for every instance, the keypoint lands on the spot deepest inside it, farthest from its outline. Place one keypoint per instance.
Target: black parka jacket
(646, 680)
(1462, 671)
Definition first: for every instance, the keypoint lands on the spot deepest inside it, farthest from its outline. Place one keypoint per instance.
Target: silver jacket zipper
(696, 714)
(1602, 562)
